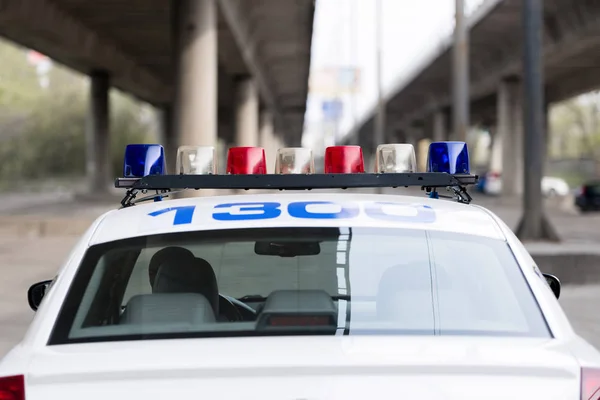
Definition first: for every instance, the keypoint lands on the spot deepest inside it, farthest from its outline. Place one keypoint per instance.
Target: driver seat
(188, 275)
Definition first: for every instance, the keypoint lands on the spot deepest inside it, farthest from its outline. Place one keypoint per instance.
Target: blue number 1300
(301, 210)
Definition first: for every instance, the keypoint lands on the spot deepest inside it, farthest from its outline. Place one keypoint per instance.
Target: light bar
(145, 170)
(395, 158)
(344, 160)
(294, 160)
(196, 160)
(246, 161)
(448, 157)
(297, 181)
(168, 183)
(144, 159)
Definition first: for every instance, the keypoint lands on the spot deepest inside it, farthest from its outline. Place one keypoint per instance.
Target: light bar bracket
(167, 183)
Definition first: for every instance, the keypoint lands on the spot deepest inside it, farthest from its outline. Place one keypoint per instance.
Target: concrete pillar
(98, 165)
(280, 141)
(413, 136)
(421, 152)
(440, 133)
(496, 152)
(167, 136)
(547, 139)
(246, 114)
(268, 141)
(510, 130)
(195, 117)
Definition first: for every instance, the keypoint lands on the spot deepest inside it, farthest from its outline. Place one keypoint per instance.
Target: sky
(344, 36)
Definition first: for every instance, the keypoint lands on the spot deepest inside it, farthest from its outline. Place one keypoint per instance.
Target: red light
(12, 388)
(590, 384)
(344, 160)
(246, 161)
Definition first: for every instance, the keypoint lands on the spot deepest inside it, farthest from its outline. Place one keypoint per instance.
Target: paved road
(581, 305)
(24, 261)
(27, 257)
(571, 226)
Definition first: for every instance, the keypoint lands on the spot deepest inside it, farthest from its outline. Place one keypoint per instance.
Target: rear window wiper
(252, 297)
(343, 297)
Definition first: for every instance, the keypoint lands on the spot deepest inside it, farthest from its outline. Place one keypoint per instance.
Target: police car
(299, 295)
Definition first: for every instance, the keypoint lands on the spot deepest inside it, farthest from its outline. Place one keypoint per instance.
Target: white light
(196, 160)
(395, 158)
(294, 160)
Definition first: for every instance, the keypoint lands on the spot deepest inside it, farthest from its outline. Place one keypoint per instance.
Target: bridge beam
(74, 44)
(239, 24)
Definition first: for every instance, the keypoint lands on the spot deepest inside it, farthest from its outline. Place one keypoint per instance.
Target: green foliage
(53, 141)
(42, 131)
(126, 127)
(575, 128)
(18, 80)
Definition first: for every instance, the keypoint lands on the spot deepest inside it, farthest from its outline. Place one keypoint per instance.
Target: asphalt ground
(38, 231)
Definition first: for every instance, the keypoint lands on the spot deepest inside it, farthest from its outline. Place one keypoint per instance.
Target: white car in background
(551, 186)
(299, 296)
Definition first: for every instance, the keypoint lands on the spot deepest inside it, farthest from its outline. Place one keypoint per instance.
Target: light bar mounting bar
(166, 183)
(295, 182)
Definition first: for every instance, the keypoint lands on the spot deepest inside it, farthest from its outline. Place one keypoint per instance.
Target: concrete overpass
(419, 107)
(237, 69)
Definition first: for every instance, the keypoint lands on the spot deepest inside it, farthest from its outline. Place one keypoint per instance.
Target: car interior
(290, 286)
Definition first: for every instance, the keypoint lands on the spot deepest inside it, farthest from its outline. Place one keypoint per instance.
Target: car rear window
(298, 281)
(593, 189)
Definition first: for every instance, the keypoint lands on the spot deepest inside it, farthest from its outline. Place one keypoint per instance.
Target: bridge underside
(134, 42)
(571, 56)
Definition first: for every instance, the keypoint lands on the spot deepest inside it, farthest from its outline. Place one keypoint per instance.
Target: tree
(575, 126)
(42, 130)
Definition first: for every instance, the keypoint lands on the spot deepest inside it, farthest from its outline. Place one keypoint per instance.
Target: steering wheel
(229, 310)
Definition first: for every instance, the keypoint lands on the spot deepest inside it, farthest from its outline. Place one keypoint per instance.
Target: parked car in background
(587, 197)
(551, 186)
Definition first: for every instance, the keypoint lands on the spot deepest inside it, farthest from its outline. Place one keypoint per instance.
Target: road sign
(332, 109)
(335, 81)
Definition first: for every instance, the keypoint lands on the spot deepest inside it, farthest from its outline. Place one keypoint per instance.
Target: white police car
(299, 296)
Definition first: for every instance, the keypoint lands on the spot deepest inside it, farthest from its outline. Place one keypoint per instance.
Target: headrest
(173, 253)
(166, 308)
(188, 275)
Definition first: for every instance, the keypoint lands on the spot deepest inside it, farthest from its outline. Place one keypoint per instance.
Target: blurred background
(79, 80)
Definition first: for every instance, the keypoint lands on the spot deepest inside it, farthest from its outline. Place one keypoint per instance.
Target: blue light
(449, 157)
(144, 159)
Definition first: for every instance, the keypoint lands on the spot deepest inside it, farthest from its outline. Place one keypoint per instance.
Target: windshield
(299, 281)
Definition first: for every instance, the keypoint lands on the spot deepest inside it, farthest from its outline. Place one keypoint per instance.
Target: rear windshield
(298, 281)
(593, 189)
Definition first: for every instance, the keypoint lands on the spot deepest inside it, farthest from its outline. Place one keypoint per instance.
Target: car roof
(213, 213)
